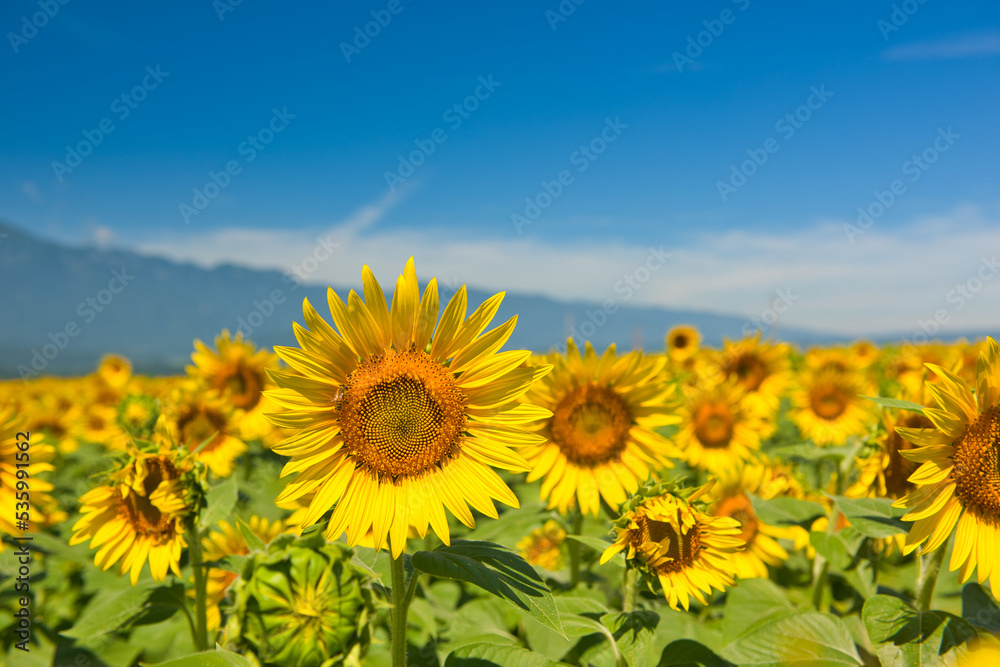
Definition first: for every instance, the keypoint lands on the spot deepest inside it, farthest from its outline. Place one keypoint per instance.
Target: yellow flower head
(719, 428)
(682, 342)
(601, 440)
(205, 423)
(396, 415)
(543, 546)
(665, 534)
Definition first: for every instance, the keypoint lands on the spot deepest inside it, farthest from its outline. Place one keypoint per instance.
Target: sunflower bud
(302, 604)
(137, 415)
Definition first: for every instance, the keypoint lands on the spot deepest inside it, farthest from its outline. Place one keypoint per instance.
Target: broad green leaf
(496, 570)
(979, 609)
(219, 502)
(110, 610)
(896, 403)
(903, 637)
(481, 655)
(209, 659)
(873, 517)
(803, 639)
(784, 511)
(833, 548)
(633, 632)
(253, 542)
(750, 603)
(689, 653)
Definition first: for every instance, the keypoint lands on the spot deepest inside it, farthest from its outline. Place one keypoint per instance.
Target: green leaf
(903, 636)
(596, 543)
(689, 653)
(209, 659)
(784, 511)
(633, 632)
(109, 610)
(750, 603)
(806, 639)
(496, 570)
(979, 609)
(232, 563)
(896, 403)
(483, 654)
(220, 501)
(253, 542)
(833, 548)
(873, 517)
(808, 451)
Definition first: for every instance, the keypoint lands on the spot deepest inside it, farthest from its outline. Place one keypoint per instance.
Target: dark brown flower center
(676, 552)
(828, 400)
(713, 424)
(738, 506)
(749, 369)
(144, 517)
(590, 425)
(899, 469)
(977, 465)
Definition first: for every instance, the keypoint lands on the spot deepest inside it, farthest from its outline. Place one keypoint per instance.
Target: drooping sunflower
(600, 441)
(237, 371)
(719, 429)
(668, 535)
(229, 541)
(543, 546)
(205, 423)
(730, 498)
(394, 420)
(958, 481)
(829, 406)
(140, 514)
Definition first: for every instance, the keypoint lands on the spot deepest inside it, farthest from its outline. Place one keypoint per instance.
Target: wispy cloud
(967, 45)
(888, 281)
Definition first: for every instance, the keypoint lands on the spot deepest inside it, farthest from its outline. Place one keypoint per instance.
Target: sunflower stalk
(574, 547)
(401, 597)
(631, 589)
(928, 567)
(200, 629)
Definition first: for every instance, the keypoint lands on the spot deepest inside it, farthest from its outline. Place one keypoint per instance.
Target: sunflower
(140, 515)
(229, 541)
(763, 369)
(719, 429)
(731, 498)
(115, 371)
(543, 546)
(667, 535)
(393, 420)
(206, 423)
(41, 507)
(237, 371)
(958, 481)
(885, 473)
(601, 440)
(682, 342)
(829, 406)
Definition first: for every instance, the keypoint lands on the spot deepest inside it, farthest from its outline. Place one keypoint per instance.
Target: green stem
(574, 548)
(631, 592)
(200, 591)
(929, 565)
(821, 571)
(400, 597)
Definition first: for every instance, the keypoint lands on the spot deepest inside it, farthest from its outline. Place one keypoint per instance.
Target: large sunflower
(394, 420)
(958, 481)
(140, 515)
(719, 428)
(601, 440)
(669, 536)
(237, 370)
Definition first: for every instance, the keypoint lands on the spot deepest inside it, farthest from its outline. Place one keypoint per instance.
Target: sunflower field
(398, 489)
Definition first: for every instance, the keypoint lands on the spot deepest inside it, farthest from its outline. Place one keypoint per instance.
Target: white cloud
(887, 281)
(968, 45)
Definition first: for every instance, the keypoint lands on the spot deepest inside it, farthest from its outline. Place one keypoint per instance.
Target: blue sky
(666, 121)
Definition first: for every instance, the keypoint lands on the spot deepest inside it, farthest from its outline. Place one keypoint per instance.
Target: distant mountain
(63, 307)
